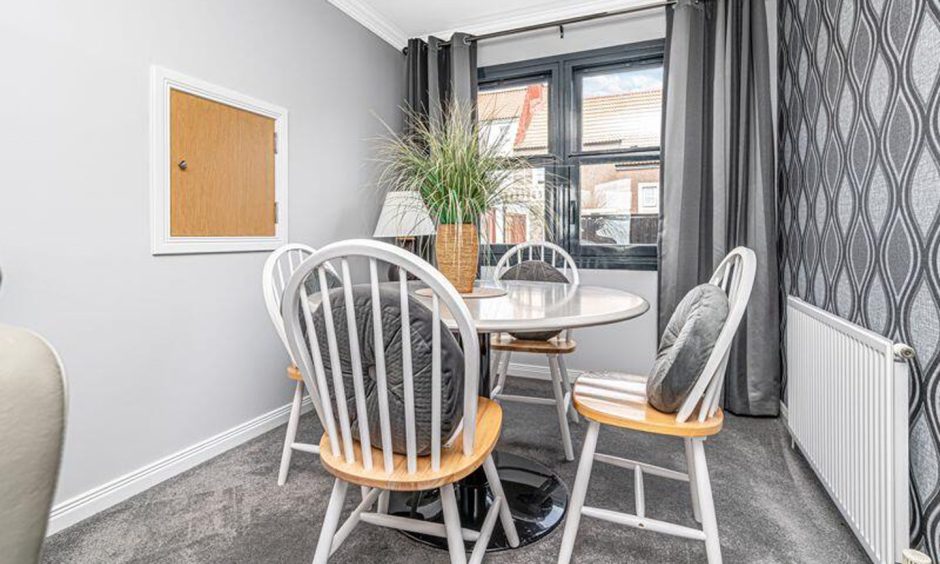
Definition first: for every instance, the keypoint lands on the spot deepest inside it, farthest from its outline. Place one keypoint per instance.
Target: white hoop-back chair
(619, 400)
(276, 272)
(555, 348)
(369, 461)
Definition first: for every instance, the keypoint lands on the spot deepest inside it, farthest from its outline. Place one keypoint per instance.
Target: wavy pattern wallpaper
(859, 178)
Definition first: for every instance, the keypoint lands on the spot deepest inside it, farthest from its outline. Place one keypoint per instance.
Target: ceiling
(397, 20)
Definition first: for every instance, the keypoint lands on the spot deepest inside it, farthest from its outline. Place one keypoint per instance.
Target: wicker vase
(457, 250)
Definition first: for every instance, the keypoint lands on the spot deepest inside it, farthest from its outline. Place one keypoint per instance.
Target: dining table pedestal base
(537, 498)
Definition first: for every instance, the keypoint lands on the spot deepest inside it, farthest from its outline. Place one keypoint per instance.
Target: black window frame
(564, 155)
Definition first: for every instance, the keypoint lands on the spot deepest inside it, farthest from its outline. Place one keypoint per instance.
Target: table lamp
(404, 216)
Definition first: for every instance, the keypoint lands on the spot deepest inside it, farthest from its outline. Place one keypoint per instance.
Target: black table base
(537, 497)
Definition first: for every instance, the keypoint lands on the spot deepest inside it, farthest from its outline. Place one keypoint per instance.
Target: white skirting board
(83, 506)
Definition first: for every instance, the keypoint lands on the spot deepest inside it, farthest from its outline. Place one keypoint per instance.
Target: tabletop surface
(543, 306)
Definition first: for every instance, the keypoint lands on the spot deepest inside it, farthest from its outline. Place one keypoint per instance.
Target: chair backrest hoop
(735, 275)
(278, 268)
(306, 350)
(544, 251)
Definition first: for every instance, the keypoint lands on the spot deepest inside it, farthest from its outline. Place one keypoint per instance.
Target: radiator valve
(903, 352)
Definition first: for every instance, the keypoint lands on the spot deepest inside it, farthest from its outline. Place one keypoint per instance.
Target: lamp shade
(404, 215)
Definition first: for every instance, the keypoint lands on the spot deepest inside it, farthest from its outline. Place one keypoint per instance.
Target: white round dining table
(546, 306)
(537, 496)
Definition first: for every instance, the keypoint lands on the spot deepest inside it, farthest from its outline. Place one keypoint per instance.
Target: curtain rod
(563, 22)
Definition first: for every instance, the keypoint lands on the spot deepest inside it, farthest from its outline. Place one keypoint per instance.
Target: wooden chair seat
(619, 399)
(556, 345)
(294, 373)
(454, 464)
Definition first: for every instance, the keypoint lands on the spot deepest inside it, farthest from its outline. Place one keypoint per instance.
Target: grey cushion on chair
(312, 283)
(686, 345)
(421, 351)
(535, 271)
(32, 421)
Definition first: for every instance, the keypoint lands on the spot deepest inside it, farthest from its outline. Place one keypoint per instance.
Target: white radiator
(847, 412)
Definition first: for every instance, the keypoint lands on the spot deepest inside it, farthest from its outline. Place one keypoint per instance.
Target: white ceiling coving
(397, 20)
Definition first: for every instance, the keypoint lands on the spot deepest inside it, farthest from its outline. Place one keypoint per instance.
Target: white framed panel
(164, 80)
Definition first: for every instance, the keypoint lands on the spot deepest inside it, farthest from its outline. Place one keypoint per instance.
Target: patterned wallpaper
(859, 178)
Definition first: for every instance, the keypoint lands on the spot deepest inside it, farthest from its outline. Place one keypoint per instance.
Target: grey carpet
(770, 506)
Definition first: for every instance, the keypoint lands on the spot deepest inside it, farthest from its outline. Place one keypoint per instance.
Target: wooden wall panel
(227, 186)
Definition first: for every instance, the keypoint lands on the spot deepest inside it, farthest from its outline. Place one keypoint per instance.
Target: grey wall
(163, 352)
(628, 346)
(858, 179)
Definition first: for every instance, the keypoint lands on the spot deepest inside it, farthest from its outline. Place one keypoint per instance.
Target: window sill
(647, 261)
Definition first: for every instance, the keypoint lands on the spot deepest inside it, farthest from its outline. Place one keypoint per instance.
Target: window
(649, 197)
(514, 115)
(590, 126)
(520, 221)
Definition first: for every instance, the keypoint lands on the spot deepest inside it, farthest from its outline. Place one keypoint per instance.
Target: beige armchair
(32, 421)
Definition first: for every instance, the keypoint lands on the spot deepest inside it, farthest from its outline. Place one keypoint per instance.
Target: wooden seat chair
(277, 270)
(370, 461)
(619, 400)
(555, 349)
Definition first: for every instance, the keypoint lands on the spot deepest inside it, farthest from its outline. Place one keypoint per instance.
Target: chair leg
(693, 486)
(578, 493)
(383, 502)
(455, 546)
(505, 516)
(502, 370)
(709, 522)
(496, 360)
(560, 406)
(291, 433)
(566, 380)
(330, 522)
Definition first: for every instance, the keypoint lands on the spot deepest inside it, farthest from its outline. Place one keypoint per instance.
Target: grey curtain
(416, 76)
(439, 72)
(436, 73)
(718, 179)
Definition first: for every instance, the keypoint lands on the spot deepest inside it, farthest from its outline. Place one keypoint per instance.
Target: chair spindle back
(544, 251)
(735, 275)
(549, 253)
(279, 266)
(310, 362)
